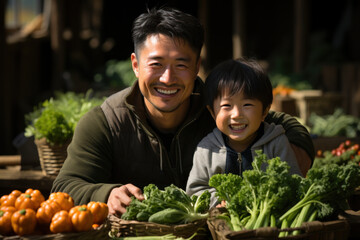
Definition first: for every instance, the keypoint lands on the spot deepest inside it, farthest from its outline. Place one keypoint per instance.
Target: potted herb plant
(52, 125)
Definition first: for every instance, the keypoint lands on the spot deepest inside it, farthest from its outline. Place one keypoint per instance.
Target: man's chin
(166, 109)
(161, 107)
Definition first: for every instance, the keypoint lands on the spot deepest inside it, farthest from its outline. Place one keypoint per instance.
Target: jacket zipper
(178, 142)
(239, 159)
(176, 137)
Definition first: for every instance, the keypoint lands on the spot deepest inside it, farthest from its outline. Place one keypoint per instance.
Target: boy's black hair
(170, 22)
(233, 76)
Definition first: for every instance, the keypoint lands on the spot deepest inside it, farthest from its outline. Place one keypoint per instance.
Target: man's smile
(166, 91)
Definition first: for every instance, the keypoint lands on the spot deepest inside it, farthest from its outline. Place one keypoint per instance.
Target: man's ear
(265, 113)
(135, 64)
(211, 111)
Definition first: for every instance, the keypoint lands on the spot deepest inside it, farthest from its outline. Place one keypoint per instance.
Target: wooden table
(14, 178)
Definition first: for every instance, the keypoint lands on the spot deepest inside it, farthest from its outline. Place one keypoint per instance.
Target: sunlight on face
(166, 70)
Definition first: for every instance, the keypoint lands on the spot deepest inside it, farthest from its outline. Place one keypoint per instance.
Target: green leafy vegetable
(259, 196)
(276, 198)
(323, 194)
(336, 124)
(169, 206)
(116, 74)
(55, 119)
(53, 125)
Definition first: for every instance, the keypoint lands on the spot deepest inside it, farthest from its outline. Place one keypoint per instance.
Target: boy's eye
(225, 105)
(248, 105)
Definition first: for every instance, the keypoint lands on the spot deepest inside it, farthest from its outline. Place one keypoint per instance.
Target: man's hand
(302, 158)
(120, 198)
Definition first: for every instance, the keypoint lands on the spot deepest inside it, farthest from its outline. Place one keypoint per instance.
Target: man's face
(166, 70)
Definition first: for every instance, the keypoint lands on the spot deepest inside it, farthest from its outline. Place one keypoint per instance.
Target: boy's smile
(237, 127)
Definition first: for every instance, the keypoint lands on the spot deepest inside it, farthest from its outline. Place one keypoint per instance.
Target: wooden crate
(308, 101)
(329, 143)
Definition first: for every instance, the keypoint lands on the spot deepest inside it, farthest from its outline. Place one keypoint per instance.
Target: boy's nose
(236, 112)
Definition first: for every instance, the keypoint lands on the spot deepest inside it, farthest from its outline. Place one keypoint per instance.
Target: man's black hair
(170, 22)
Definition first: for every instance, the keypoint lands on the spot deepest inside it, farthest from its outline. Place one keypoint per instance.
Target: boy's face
(166, 70)
(239, 118)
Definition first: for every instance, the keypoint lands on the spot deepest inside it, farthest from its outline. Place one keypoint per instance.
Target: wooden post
(238, 36)
(348, 81)
(330, 78)
(203, 17)
(5, 119)
(57, 43)
(355, 110)
(300, 34)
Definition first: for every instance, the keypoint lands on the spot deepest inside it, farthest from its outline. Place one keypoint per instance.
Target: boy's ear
(211, 111)
(265, 113)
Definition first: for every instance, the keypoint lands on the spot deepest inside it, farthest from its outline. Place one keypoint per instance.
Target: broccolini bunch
(276, 198)
(323, 194)
(261, 195)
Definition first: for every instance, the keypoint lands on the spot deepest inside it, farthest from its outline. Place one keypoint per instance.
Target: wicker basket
(332, 230)
(354, 200)
(353, 218)
(124, 228)
(51, 157)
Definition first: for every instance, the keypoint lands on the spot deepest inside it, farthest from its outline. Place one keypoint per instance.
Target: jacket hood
(271, 131)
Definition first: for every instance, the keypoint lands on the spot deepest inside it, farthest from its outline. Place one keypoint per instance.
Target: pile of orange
(282, 90)
(24, 213)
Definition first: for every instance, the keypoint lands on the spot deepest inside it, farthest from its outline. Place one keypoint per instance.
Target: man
(148, 133)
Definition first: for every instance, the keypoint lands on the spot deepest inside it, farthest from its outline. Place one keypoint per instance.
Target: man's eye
(156, 64)
(182, 66)
(248, 105)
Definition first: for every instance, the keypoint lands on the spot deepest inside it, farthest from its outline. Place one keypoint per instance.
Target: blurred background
(311, 50)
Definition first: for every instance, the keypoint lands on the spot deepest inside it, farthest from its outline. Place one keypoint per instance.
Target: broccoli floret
(226, 185)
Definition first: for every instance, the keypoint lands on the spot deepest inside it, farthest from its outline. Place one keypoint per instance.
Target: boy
(239, 96)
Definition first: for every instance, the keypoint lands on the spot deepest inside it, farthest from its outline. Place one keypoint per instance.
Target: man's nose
(167, 76)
